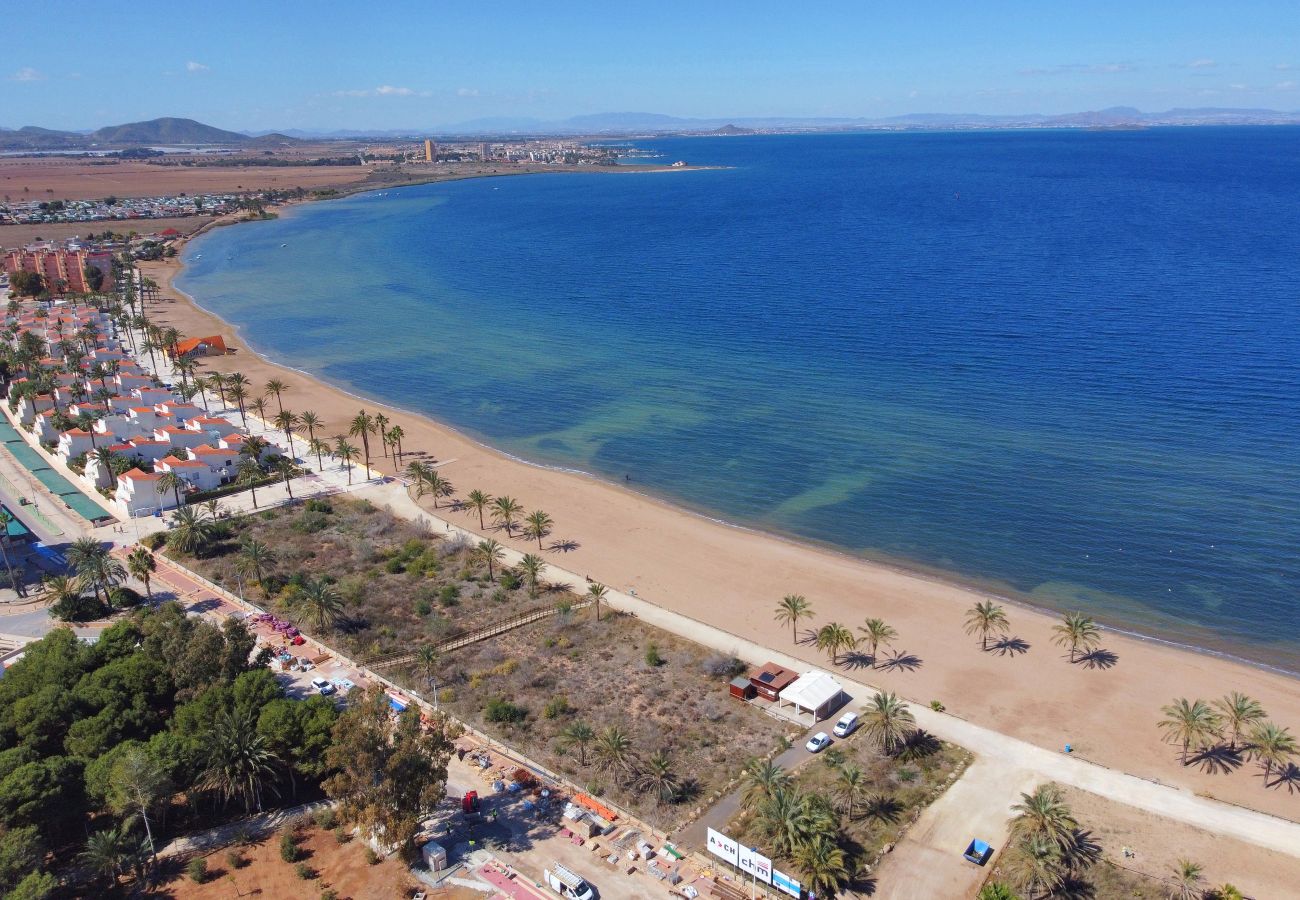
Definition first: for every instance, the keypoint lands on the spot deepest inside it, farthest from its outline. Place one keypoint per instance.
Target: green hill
(166, 131)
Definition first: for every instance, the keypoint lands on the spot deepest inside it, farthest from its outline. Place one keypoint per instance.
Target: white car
(323, 686)
(847, 724)
(818, 742)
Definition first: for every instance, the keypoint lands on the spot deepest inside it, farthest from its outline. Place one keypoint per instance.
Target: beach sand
(733, 578)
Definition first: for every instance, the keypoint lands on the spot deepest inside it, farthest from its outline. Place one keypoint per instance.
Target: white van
(567, 883)
(846, 725)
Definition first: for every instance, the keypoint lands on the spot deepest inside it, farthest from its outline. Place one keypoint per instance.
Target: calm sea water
(1063, 365)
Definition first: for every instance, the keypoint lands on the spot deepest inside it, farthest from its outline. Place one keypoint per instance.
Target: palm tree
(658, 776)
(141, 564)
(346, 452)
(94, 565)
(427, 659)
(258, 406)
(792, 608)
(888, 722)
(614, 753)
(239, 394)
(277, 387)
(479, 501)
(875, 632)
(320, 448)
(1272, 745)
(285, 421)
(762, 779)
(310, 421)
(597, 592)
(851, 787)
(106, 458)
(1078, 632)
(255, 560)
(249, 474)
(190, 532)
(1238, 713)
(824, 865)
(239, 763)
(362, 425)
(381, 429)
(108, 852)
(1189, 723)
(1187, 881)
(320, 602)
(435, 485)
(1044, 814)
(490, 552)
(395, 435)
(1035, 866)
(1226, 891)
(578, 734)
(172, 481)
(286, 469)
(834, 638)
(532, 565)
(60, 590)
(986, 618)
(505, 510)
(537, 525)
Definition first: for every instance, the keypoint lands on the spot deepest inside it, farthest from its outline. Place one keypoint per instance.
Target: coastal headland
(732, 578)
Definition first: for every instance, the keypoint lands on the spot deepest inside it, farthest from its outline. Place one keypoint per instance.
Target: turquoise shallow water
(1063, 365)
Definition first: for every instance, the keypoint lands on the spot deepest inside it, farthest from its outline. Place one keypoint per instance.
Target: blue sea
(1061, 365)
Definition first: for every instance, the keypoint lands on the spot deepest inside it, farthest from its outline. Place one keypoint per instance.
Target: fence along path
(472, 636)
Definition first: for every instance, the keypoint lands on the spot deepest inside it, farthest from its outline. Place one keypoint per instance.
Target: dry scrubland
(402, 586)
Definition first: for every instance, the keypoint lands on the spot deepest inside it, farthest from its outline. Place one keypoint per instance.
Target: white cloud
(1237, 87)
(193, 66)
(1201, 64)
(467, 92)
(27, 73)
(387, 90)
(384, 90)
(1080, 68)
(1285, 86)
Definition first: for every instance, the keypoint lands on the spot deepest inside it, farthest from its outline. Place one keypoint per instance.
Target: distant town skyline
(407, 65)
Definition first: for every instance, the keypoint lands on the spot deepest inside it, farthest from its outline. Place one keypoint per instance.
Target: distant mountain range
(187, 132)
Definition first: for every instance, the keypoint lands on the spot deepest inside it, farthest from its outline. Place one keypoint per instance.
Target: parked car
(818, 742)
(847, 724)
(323, 686)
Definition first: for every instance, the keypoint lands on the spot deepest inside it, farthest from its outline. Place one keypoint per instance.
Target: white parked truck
(567, 883)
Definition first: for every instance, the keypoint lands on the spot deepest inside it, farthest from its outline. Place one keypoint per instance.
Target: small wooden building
(770, 680)
(741, 689)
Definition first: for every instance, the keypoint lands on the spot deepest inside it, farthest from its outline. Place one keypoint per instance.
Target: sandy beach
(733, 578)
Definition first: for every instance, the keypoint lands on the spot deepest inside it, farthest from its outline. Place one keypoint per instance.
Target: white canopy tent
(814, 693)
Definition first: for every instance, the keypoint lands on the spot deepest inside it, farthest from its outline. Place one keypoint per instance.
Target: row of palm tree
(1235, 719)
(613, 753)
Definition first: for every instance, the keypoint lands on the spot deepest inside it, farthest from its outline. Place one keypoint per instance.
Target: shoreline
(666, 552)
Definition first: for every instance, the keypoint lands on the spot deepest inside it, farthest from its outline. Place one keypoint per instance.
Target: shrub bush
(318, 506)
(311, 522)
(329, 894)
(235, 859)
(423, 607)
(124, 597)
(652, 656)
(509, 579)
(372, 857)
(449, 595)
(447, 695)
(304, 871)
(197, 869)
(500, 709)
(288, 847)
(155, 540)
(341, 834)
(721, 666)
(557, 707)
(325, 818)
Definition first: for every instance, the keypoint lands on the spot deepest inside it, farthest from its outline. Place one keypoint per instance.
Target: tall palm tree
(239, 394)
(537, 524)
(1044, 814)
(580, 735)
(491, 553)
(285, 421)
(106, 458)
(532, 565)
(108, 852)
(239, 762)
(255, 560)
(310, 421)
(791, 609)
(657, 775)
(427, 659)
(614, 753)
(277, 387)
(259, 406)
(833, 638)
(287, 470)
(1239, 713)
(435, 485)
(1189, 723)
(346, 452)
(320, 448)
(479, 501)
(395, 435)
(888, 722)
(875, 632)
(172, 481)
(1035, 866)
(506, 510)
(94, 565)
(762, 779)
(362, 425)
(249, 474)
(191, 531)
(5, 518)
(824, 865)
(1188, 880)
(320, 602)
(597, 592)
(1272, 745)
(787, 818)
(985, 618)
(851, 788)
(141, 564)
(1078, 632)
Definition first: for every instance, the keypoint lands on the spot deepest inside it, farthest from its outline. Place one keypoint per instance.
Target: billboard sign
(723, 847)
(755, 864)
(784, 882)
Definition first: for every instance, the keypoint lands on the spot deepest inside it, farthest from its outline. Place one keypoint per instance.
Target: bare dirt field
(20, 235)
(342, 868)
(44, 178)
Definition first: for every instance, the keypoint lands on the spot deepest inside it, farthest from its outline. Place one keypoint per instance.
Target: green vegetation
(1234, 726)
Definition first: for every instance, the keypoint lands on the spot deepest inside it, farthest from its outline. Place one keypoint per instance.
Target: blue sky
(257, 65)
